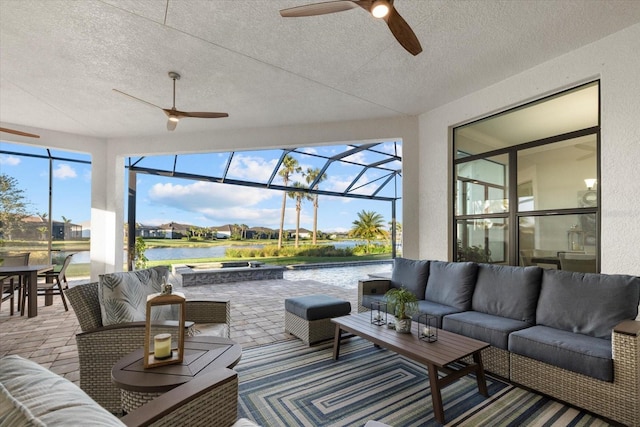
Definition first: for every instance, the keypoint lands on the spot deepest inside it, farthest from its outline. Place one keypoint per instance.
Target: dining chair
(52, 285)
(577, 262)
(10, 284)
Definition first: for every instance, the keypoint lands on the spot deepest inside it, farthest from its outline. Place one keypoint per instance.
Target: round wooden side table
(202, 354)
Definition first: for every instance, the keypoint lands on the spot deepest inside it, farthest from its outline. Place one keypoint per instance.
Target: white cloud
(64, 171)
(251, 168)
(340, 183)
(219, 204)
(358, 157)
(9, 160)
(308, 150)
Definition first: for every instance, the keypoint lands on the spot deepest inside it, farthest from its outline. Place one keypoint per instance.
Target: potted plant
(404, 304)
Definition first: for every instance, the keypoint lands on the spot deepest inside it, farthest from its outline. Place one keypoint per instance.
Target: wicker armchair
(100, 347)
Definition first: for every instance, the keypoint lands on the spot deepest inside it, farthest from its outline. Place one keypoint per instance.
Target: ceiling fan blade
(203, 115)
(200, 115)
(403, 32)
(17, 132)
(136, 98)
(319, 8)
(171, 125)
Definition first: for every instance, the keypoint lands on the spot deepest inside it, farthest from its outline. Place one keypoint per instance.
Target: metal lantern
(427, 327)
(164, 328)
(379, 313)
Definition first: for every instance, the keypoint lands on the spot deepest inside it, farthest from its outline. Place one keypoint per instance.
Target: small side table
(201, 355)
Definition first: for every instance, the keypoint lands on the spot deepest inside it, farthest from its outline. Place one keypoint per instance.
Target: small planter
(403, 326)
(403, 304)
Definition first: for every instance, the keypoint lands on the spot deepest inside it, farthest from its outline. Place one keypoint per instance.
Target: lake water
(159, 254)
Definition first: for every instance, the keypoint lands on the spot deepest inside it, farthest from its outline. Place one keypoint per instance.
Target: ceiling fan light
(174, 119)
(380, 8)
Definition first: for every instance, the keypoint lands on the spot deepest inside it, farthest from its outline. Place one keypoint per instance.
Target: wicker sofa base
(309, 331)
(618, 400)
(494, 360)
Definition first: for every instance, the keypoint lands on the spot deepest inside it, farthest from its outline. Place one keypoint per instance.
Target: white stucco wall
(615, 60)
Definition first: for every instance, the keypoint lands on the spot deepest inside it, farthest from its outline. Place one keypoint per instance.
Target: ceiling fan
(381, 9)
(172, 113)
(18, 132)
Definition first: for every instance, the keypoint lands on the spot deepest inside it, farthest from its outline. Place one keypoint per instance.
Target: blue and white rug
(289, 384)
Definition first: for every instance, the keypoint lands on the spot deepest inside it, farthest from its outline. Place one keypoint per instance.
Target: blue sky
(166, 199)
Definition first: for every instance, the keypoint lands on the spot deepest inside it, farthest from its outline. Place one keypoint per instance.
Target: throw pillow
(411, 275)
(123, 296)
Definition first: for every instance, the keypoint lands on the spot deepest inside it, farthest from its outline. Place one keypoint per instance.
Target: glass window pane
(482, 186)
(573, 110)
(544, 240)
(555, 176)
(483, 240)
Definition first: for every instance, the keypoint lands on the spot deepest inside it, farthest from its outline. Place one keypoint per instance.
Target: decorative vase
(403, 326)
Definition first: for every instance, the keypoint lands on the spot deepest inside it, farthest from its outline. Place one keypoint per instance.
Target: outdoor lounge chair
(100, 347)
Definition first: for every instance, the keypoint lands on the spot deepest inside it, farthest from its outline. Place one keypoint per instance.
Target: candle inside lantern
(426, 331)
(378, 316)
(162, 346)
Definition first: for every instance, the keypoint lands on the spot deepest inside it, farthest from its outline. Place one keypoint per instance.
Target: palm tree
(287, 168)
(298, 196)
(369, 226)
(311, 176)
(243, 235)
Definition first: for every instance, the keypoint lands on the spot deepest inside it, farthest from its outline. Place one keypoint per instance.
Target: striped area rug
(289, 384)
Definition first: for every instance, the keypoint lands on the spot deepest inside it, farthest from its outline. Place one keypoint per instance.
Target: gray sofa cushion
(585, 303)
(434, 309)
(484, 327)
(316, 307)
(451, 283)
(575, 352)
(507, 291)
(31, 395)
(411, 275)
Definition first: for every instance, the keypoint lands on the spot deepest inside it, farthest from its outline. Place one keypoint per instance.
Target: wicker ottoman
(309, 317)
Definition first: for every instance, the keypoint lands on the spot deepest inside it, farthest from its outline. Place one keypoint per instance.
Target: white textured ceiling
(60, 59)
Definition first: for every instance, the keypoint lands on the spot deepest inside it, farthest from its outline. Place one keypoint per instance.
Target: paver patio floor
(257, 318)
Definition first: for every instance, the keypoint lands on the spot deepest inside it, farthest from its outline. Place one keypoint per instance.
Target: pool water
(344, 277)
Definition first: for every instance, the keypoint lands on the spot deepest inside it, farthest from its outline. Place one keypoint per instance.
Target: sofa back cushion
(411, 275)
(451, 283)
(507, 291)
(586, 303)
(123, 296)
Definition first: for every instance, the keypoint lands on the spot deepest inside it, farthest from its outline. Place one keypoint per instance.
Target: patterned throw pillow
(123, 296)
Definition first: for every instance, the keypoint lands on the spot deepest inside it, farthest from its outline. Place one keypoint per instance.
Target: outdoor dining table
(29, 274)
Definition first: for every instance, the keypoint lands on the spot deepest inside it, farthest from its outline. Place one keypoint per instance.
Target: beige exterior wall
(615, 61)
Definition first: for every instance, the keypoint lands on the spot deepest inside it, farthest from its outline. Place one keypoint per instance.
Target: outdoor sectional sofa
(572, 336)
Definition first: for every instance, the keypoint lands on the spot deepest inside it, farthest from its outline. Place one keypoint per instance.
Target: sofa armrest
(211, 399)
(374, 286)
(628, 327)
(371, 287)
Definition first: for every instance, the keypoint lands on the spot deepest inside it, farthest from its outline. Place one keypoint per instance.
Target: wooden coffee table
(437, 355)
(202, 355)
